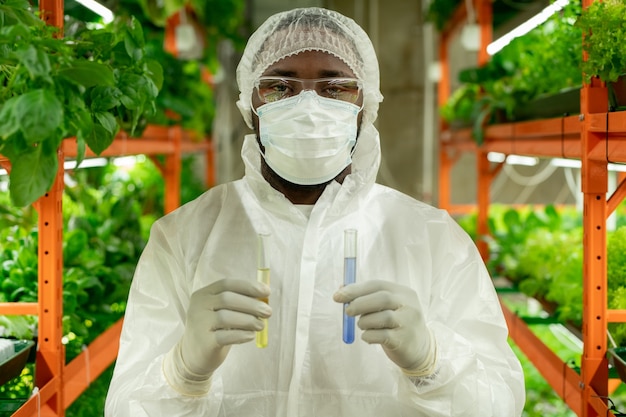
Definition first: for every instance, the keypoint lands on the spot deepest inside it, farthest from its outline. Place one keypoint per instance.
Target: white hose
(531, 180)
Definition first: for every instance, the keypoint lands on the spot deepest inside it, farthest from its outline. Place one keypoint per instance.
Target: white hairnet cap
(310, 29)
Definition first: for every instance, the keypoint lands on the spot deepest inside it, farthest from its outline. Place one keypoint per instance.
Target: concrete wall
(395, 30)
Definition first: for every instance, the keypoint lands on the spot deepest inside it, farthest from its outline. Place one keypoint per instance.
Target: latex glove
(390, 315)
(223, 314)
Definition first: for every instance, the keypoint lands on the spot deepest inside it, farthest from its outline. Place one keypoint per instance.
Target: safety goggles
(271, 89)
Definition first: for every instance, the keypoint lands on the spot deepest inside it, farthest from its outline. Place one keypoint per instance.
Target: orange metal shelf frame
(595, 137)
(59, 384)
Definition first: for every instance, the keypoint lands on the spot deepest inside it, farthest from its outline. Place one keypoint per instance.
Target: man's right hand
(225, 313)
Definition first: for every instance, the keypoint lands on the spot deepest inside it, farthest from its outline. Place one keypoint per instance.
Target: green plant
(105, 231)
(460, 106)
(107, 215)
(546, 262)
(542, 62)
(551, 263)
(510, 229)
(184, 92)
(440, 11)
(218, 18)
(18, 264)
(604, 26)
(87, 86)
(541, 252)
(616, 271)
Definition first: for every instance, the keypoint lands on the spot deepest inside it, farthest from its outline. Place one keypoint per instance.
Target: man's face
(306, 65)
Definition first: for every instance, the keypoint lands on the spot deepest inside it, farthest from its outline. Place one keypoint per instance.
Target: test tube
(349, 277)
(263, 275)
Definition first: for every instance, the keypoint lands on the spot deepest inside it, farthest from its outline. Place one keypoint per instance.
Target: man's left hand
(390, 315)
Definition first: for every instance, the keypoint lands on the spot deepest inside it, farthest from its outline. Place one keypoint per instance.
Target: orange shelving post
(50, 360)
(210, 166)
(52, 12)
(172, 171)
(594, 365)
(446, 161)
(173, 165)
(485, 175)
(594, 175)
(449, 153)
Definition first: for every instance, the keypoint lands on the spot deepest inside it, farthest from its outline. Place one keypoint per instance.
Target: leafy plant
(218, 18)
(616, 271)
(509, 231)
(552, 265)
(87, 86)
(542, 252)
(460, 106)
(604, 26)
(107, 215)
(545, 61)
(104, 235)
(185, 99)
(440, 11)
(18, 264)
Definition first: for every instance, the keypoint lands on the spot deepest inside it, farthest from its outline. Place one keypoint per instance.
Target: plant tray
(9, 406)
(564, 103)
(13, 366)
(617, 358)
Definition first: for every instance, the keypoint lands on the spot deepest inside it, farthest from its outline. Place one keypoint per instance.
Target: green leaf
(137, 90)
(15, 32)
(12, 11)
(155, 72)
(107, 120)
(32, 175)
(39, 113)
(134, 40)
(131, 99)
(81, 121)
(81, 147)
(35, 60)
(99, 139)
(8, 121)
(104, 98)
(20, 327)
(84, 126)
(75, 242)
(88, 74)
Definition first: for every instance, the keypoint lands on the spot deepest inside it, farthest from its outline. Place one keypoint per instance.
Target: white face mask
(308, 139)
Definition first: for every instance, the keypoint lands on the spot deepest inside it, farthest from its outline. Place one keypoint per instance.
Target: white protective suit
(306, 370)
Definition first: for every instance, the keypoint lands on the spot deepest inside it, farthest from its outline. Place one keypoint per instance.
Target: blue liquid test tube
(349, 277)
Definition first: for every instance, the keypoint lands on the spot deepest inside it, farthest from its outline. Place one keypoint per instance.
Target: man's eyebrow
(282, 73)
(321, 74)
(335, 74)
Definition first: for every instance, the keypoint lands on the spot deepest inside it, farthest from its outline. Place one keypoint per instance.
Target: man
(431, 338)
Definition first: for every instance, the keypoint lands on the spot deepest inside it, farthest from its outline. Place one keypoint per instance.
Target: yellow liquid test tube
(263, 275)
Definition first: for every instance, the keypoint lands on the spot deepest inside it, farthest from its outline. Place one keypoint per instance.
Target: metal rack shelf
(596, 137)
(59, 384)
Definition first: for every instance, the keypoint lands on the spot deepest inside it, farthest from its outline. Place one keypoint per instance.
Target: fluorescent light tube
(97, 8)
(527, 26)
